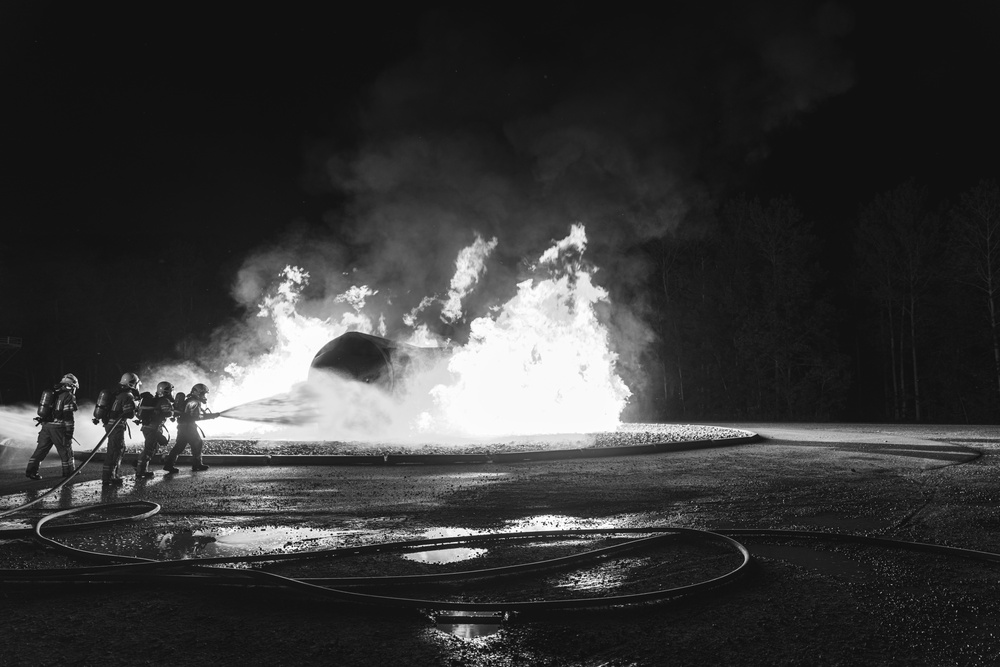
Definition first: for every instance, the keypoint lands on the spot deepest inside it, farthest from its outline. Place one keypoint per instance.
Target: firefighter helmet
(70, 381)
(130, 379)
(164, 388)
(199, 391)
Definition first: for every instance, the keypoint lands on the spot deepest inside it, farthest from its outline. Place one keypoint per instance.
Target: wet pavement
(805, 602)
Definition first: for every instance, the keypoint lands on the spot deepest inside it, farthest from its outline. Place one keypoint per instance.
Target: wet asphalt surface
(802, 601)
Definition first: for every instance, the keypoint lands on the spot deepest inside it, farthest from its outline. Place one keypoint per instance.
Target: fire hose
(374, 590)
(118, 568)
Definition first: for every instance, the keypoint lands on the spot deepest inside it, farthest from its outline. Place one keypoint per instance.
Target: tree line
(756, 319)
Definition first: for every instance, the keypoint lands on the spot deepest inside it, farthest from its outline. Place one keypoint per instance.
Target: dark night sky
(159, 161)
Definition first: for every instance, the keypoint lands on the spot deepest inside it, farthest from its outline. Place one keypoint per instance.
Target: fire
(539, 364)
(542, 366)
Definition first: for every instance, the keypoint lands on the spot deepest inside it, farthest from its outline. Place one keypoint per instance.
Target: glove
(96, 421)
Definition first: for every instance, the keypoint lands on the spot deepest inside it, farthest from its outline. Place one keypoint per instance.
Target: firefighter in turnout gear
(153, 412)
(55, 415)
(118, 403)
(187, 429)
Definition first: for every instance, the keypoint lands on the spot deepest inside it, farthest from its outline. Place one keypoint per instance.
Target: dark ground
(812, 602)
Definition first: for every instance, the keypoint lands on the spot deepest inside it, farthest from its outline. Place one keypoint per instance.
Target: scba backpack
(180, 398)
(147, 409)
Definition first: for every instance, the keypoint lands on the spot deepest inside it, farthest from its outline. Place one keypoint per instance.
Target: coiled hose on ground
(116, 568)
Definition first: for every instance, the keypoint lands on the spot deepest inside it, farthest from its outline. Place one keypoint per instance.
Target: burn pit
(368, 373)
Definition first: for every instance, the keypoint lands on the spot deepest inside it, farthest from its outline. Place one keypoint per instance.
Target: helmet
(164, 388)
(199, 390)
(131, 379)
(70, 381)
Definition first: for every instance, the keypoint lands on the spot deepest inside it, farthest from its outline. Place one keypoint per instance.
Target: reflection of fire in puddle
(207, 543)
(444, 555)
(4, 525)
(538, 523)
(469, 625)
(602, 577)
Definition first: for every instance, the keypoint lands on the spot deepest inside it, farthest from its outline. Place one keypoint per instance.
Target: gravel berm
(627, 435)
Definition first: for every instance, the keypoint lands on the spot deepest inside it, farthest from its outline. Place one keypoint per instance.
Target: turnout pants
(187, 434)
(53, 434)
(116, 450)
(153, 439)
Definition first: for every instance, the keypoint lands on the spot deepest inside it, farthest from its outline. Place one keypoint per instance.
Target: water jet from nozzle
(352, 372)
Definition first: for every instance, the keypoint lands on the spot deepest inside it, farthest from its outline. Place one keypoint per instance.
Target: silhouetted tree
(898, 240)
(781, 315)
(976, 251)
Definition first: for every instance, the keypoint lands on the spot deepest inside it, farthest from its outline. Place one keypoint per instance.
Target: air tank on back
(373, 360)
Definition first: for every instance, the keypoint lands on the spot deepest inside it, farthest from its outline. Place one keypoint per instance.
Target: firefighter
(187, 429)
(55, 414)
(153, 413)
(114, 407)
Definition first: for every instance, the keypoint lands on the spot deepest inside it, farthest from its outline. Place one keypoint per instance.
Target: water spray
(344, 372)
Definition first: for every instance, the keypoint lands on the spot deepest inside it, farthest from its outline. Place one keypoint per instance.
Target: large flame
(543, 365)
(540, 364)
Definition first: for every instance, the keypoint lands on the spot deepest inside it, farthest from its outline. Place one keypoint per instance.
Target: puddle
(603, 577)
(822, 561)
(540, 522)
(450, 555)
(469, 625)
(209, 542)
(444, 555)
(4, 525)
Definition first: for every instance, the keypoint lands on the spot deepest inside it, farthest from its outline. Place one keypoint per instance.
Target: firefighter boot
(141, 465)
(168, 466)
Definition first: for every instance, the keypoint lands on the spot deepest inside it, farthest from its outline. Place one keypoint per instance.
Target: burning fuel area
(361, 369)
(540, 362)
